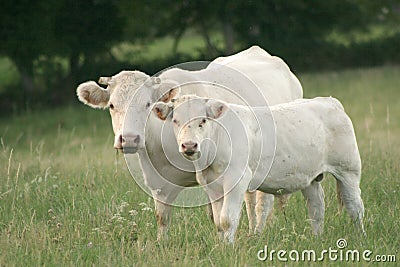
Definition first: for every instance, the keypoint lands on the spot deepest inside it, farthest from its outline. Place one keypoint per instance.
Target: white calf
(313, 137)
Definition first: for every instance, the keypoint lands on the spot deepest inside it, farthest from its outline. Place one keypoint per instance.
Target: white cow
(124, 99)
(313, 136)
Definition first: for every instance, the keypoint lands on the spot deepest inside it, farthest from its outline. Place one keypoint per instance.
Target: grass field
(67, 198)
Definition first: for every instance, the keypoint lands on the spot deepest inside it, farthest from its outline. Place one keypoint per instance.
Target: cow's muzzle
(128, 143)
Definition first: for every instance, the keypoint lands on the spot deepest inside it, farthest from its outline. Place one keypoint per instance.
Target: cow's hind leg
(314, 196)
(350, 194)
(264, 208)
(250, 200)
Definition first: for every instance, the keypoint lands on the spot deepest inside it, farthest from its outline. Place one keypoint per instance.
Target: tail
(339, 196)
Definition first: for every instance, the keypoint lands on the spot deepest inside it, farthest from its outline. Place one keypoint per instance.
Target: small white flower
(133, 212)
(147, 209)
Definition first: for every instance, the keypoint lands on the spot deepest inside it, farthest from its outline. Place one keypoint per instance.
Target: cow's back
(251, 77)
(270, 73)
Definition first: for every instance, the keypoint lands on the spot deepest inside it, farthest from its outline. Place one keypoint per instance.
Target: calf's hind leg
(350, 194)
(314, 196)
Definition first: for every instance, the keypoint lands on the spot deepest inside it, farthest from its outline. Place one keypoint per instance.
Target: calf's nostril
(195, 145)
(136, 139)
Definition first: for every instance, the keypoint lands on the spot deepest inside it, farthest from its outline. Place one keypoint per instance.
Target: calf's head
(128, 96)
(193, 121)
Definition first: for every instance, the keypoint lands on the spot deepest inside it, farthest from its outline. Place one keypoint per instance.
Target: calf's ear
(91, 94)
(162, 110)
(215, 109)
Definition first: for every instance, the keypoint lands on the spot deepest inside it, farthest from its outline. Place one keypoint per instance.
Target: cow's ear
(215, 109)
(104, 80)
(91, 94)
(170, 94)
(166, 90)
(162, 110)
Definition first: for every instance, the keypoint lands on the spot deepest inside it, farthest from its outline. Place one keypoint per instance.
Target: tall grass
(66, 197)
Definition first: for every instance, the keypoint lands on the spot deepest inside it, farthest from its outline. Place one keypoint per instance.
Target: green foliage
(51, 42)
(67, 199)
(55, 45)
(26, 27)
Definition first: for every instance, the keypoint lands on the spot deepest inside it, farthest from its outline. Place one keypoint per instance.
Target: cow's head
(193, 121)
(127, 91)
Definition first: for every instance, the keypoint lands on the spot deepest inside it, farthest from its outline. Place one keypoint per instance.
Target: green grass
(67, 199)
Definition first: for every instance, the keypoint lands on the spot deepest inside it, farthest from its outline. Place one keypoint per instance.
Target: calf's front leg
(234, 192)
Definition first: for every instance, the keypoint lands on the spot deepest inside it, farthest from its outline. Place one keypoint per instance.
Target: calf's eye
(111, 106)
(148, 105)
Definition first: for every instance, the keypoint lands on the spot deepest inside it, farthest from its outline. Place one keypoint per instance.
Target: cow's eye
(148, 105)
(174, 121)
(111, 106)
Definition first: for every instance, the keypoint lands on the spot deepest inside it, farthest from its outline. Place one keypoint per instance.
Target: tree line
(54, 45)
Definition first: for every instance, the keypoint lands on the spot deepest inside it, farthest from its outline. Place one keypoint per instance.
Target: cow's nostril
(136, 139)
(121, 139)
(195, 145)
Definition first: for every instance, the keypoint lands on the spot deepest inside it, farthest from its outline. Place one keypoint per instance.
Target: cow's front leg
(162, 201)
(232, 206)
(314, 196)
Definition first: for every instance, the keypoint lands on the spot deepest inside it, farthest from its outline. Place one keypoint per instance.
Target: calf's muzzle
(189, 148)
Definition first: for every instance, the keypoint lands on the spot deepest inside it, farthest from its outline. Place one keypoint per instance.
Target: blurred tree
(25, 33)
(293, 29)
(84, 31)
(33, 33)
(51, 42)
